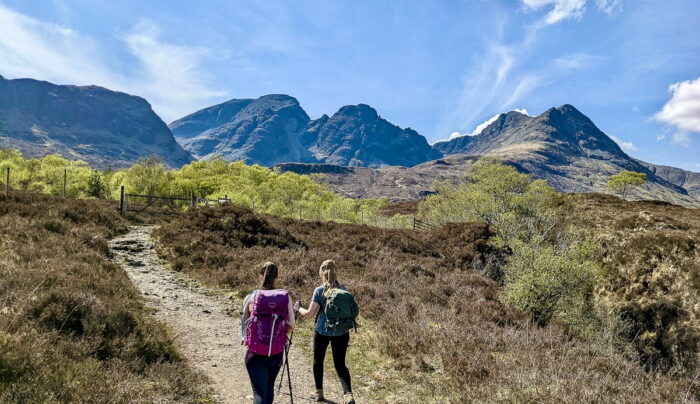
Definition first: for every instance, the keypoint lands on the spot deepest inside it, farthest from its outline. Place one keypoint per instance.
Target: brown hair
(269, 274)
(329, 276)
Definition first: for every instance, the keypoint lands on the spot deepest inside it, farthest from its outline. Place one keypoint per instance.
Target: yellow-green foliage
(512, 202)
(548, 280)
(624, 181)
(46, 174)
(548, 272)
(260, 188)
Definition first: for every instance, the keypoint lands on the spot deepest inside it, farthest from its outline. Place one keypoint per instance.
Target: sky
(441, 67)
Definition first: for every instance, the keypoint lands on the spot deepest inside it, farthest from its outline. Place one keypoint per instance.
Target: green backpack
(341, 310)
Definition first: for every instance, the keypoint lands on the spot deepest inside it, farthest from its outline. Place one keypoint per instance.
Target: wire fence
(139, 203)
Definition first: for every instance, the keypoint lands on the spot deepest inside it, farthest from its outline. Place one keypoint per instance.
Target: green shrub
(547, 280)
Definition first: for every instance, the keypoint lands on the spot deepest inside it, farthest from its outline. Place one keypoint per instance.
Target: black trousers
(339, 347)
(263, 371)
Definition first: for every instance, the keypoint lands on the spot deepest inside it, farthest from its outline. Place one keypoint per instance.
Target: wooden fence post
(121, 199)
(65, 179)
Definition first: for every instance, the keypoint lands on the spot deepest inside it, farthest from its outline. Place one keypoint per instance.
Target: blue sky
(441, 67)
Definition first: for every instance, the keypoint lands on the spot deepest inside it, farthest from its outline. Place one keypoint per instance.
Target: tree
(513, 203)
(624, 181)
(96, 188)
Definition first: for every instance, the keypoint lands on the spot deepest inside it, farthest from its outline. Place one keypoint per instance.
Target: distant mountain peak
(363, 111)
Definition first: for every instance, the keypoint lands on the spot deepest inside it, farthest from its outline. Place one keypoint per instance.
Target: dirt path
(206, 326)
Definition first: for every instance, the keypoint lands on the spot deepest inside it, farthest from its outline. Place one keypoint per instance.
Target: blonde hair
(329, 276)
(269, 273)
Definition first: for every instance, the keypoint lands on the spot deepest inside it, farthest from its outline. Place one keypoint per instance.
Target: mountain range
(275, 129)
(102, 127)
(360, 153)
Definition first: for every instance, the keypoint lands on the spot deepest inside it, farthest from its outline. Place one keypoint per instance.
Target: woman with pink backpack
(267, 318)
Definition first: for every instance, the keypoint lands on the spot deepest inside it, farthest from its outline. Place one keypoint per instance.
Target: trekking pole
(286, 364)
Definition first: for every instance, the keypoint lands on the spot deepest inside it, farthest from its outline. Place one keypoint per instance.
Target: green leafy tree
(96, 188)
(512, 202)
(624, 181)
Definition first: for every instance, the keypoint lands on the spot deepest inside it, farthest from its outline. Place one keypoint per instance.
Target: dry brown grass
(72, 326)
(436, 329)
(652, 262)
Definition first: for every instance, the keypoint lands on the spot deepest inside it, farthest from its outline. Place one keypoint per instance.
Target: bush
(546, 280)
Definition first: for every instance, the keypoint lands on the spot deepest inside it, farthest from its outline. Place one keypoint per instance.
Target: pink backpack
(266, 333)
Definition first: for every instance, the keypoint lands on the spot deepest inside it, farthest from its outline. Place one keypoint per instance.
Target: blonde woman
(335, 311)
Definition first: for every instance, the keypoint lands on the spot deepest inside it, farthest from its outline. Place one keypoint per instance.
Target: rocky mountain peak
(360, 111)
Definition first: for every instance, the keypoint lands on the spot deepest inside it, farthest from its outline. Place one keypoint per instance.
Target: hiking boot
(349, 399)
(319, 395)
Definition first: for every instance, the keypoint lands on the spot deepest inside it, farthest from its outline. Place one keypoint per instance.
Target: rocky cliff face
(357, 136)
(688, 180)
(265, 131)
(275, 129)
(102, 127)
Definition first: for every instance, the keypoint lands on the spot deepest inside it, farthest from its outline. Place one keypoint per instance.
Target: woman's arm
(311, 311)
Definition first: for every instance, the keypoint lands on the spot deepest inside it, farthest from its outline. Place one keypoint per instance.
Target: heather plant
(432, 329)
(72, 326)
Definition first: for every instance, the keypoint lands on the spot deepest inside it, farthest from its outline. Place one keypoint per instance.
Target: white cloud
(628, 147)
(480, 127)
(682, 111)
(562, 10)
(681, 138)
(576, 61)
(565, 9)
(167, 75)
(609, 7)
(173, 80)
(635, 109)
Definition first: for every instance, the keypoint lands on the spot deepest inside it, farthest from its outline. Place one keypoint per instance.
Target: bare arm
(311, 311)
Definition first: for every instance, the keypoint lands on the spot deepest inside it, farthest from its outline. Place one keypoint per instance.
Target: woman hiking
(267, 317)
(336, 311)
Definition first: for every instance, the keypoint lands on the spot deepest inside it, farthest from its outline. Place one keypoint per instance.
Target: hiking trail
(206, 326)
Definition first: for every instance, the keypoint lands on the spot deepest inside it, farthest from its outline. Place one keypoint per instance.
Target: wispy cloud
(561, 10)
(609, 7)
(173, 78)
(628, 147)
(569, 9)
(167, 75)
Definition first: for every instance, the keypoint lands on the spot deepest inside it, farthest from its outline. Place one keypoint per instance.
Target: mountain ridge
(105, 128)
(356, 135)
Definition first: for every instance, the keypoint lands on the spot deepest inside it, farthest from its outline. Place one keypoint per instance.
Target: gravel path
(206, 326)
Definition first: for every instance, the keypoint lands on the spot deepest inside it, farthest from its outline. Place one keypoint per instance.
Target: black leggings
(262, 371)
(339, 346)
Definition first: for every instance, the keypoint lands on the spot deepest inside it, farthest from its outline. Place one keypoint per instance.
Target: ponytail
(269, 275)
(329, 276)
